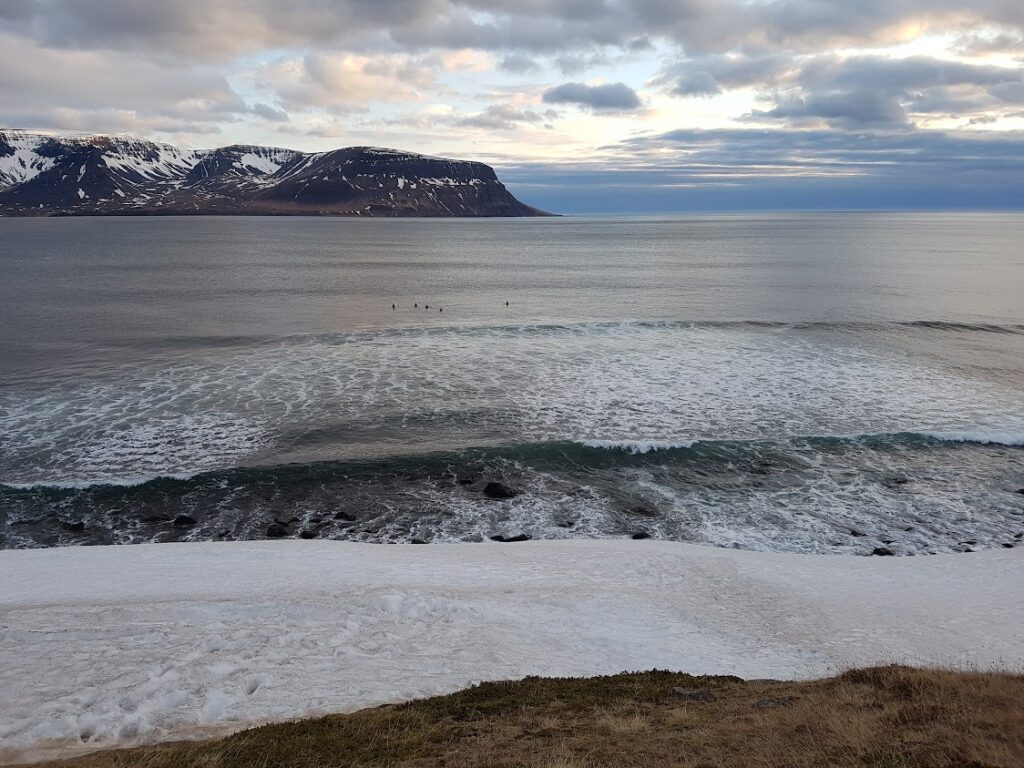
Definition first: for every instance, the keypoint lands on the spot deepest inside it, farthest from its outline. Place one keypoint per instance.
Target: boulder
(276, 531)
(499, 491)
(511, 539)
(640, 535)
(184, 521)
(307, 534)
(882, 552)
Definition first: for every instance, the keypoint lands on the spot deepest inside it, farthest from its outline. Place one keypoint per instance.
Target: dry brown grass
(887, 717)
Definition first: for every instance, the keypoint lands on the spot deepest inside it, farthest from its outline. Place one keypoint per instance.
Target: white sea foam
(479, 386)
(1012, 439)
(637, 447)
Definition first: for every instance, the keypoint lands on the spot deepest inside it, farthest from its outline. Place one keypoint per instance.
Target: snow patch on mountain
(19, 158)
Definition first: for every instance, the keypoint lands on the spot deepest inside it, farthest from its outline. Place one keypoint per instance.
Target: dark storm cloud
(610, 97)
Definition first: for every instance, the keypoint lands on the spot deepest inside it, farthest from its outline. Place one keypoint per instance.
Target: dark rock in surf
(510, 539)
(307, 534)
(499, 491)
(855, 532)
(343, 516)
(417, 541)
(882, 552)
(640, 535)
(1008, 545)
(276, 531)
(76, 526)
(184, 521)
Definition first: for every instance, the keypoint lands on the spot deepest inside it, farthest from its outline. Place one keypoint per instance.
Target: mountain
(106, 175)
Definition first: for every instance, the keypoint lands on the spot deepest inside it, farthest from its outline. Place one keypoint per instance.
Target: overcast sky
(581, 105)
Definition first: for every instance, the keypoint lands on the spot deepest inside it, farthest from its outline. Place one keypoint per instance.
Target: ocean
(831, 383)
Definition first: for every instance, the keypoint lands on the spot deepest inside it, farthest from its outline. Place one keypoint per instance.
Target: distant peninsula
(42, 175)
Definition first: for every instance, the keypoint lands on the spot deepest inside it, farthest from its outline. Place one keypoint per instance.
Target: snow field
(102, 646)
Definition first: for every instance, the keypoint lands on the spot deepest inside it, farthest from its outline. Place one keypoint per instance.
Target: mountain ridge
(42, 175)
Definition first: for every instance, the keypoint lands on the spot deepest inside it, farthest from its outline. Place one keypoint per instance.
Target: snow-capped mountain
(105, 175)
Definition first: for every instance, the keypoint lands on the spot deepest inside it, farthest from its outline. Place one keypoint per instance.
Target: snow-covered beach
(102, 646)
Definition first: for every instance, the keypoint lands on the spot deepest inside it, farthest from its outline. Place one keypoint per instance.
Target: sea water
(810, 383)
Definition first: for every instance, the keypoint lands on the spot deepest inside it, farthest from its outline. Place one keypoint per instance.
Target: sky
(580, 105)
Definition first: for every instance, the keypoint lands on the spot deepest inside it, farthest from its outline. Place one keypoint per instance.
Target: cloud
(345, 81)
(519, 64)
(709, 75)
(899, 74)
(817, 87)
(990, 41)
(267, 112)
(504, 117)
(854, 109)
(610, 97)
(935, 157)
(758, 169)
(850, 90)
(99, 91)
(218, 28)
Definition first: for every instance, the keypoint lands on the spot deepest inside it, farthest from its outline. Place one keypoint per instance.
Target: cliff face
(99, 175)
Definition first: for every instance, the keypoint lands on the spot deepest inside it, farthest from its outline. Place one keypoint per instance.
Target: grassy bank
(890, 717)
